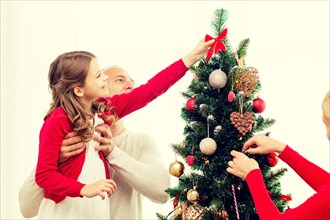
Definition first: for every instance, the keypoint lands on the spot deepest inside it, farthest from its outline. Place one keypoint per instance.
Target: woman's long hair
(67, 71)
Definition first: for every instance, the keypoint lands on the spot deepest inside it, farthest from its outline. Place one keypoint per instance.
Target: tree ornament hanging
(231, 96)
(191, 104)
(178, 210)
(176, 168)
(242, 122)
(272, 159)
(192, 195)
(218, 79)
(259, 105)
(190, 160)
(248, 80)
(217, 129)
(193, 212)
(208, 146)
(218, 45)
(224, 214)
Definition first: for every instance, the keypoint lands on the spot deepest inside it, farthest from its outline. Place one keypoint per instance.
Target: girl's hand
(197, 53)
(241, 164)
(261, 144)
(97, 189)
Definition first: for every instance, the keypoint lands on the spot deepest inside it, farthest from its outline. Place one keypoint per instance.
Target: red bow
(217, 45)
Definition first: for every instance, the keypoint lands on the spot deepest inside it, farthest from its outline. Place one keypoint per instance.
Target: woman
(315, 207)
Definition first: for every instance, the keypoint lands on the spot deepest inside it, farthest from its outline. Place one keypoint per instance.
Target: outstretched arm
(260, 144)
(315, 207)
(157, 85)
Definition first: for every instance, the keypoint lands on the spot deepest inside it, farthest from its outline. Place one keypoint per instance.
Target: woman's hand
(261, 144)
(241, 164)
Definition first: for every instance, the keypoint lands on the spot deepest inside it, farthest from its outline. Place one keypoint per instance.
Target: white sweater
(136, 167)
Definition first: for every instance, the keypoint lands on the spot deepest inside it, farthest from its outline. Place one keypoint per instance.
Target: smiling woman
(293, 65)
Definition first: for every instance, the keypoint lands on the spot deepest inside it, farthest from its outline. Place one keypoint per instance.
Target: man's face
(119, 81)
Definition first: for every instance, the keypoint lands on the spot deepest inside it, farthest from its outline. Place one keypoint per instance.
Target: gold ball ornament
(176, 168)
(208, 146)
(218, 79)
(193, 212)
(178, 210)
(193, 195)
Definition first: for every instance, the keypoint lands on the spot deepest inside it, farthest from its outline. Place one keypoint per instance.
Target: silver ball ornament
(218, 79)
(208, 146)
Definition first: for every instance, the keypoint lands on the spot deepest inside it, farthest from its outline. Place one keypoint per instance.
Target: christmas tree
(222, 111)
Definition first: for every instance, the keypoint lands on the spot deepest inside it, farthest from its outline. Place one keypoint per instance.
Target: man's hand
(71, 145)
(105, 140)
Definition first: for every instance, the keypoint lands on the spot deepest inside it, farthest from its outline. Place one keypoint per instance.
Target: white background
(289, 46)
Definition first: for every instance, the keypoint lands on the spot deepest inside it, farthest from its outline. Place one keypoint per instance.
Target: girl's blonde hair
(326, 105)
(67, 71)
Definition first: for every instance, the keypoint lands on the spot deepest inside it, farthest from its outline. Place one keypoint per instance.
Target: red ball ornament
(190, 160)
(190, 104)
(259, 105)
(272, 159)
(231, 96)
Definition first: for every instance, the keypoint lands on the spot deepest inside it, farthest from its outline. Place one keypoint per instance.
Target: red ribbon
(218, 45)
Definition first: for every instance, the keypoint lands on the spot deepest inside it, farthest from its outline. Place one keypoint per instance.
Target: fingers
(69, 135)
(71, 139)
(248, 144)
(104, 129)
(101, 140)
(69, 151)
(208, 43)
(101, 194)
(109, 186)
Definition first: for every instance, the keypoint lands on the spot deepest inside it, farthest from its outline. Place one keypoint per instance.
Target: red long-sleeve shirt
(60, 181)
(315, 207)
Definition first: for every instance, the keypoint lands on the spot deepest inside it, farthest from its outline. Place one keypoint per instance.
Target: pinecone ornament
(242, 122)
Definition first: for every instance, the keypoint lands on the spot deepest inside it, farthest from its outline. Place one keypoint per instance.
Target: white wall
(289, 46)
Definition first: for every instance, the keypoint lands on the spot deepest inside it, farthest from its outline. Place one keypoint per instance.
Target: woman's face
(96, 82)
(326, 121)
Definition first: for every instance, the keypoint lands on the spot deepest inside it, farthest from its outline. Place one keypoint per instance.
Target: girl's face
(96, 82)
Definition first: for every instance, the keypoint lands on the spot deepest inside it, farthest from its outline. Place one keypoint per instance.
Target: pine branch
(242, 48)
(219, 19)
(161, 217)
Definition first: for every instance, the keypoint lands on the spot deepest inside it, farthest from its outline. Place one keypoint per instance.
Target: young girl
(76, 80)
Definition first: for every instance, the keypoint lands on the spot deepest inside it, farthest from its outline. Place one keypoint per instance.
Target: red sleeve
(264, 204)
(309, 172)
(142, 95)
(51, 136)
(315, 207)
